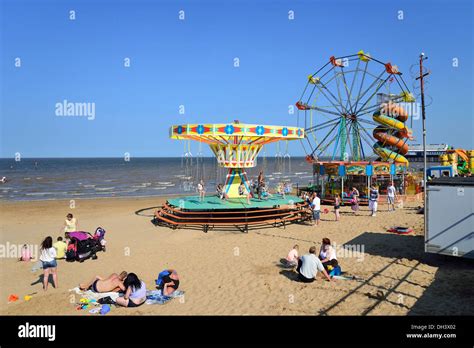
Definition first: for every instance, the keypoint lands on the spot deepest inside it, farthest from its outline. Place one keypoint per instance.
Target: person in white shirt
(292, 258)
(327, 255)
(308, 267)
(391, 197)
(48, 260)
(316, 206)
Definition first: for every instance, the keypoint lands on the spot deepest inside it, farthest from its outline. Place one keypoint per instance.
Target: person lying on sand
(113, 282)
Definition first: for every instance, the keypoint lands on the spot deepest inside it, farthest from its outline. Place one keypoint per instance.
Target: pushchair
(84, 245)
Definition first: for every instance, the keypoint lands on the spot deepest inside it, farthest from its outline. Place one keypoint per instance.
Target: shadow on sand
(40, 280)
(450, 292)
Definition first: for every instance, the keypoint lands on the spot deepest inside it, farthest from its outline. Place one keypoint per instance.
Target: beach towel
(91, 295)
(157, 297)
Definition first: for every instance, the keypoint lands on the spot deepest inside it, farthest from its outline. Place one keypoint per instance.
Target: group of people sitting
(132, 289)
(308, 265)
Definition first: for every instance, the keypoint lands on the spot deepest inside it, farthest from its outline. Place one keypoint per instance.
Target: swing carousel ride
(236, 147)
(356, 110)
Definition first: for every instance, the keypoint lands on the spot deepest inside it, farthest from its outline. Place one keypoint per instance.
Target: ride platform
(212, 212)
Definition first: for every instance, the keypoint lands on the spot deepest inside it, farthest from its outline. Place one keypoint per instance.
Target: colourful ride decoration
(392, 133)
(235, 145)
(338, 102)
(461, 161)
(356, 110)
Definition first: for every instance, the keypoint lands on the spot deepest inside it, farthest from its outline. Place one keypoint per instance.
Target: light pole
(423, 120)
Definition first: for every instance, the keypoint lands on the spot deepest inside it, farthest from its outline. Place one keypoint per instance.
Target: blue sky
(190, 63)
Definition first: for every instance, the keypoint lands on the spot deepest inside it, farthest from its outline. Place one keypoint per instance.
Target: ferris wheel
(355, 107)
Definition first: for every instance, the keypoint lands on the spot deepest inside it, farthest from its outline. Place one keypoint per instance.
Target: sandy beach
(233, 273)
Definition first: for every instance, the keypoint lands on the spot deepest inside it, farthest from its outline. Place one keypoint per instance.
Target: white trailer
(450, 217)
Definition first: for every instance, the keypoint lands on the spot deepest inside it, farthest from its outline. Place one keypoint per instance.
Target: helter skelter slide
(339, 99)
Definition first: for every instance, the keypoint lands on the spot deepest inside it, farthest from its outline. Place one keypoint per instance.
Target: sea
(86, 178)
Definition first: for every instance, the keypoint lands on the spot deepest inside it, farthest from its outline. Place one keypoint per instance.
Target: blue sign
(321, 169)
(342, 171)
(369, 170)
(393, 169)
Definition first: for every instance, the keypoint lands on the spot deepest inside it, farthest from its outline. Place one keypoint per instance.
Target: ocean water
(76, 178)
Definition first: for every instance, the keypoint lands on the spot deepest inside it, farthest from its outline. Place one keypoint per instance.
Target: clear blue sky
(190, 63)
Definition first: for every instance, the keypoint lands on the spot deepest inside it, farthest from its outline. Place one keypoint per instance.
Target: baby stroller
(82, 246)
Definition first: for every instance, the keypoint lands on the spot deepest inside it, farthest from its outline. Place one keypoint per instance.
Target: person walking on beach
(201, 190)
(373, 200)
(308, 267)
(316, 206)
(260, 184)
(337, 206)
(70, 224)
(355, 200)
(391, 197)
(48, 261)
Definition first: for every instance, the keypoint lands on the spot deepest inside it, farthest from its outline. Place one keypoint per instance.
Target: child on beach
(70, 225)
(355, 200)
(25, 253)
(201, 190)
(293, 257)
(337, 206)
(61, 248)
(373, 200)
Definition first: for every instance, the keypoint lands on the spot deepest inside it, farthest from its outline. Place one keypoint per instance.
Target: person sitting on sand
(243, 192)
(201, 190)
(135, 292)
(293, 257)
(169, 282)
(113, 282)
(25, 253)
(327, 255)
(61, 248)
(71, 223)
(309, 266)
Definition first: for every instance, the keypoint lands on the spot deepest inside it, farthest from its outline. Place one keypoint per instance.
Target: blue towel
(157, 297)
